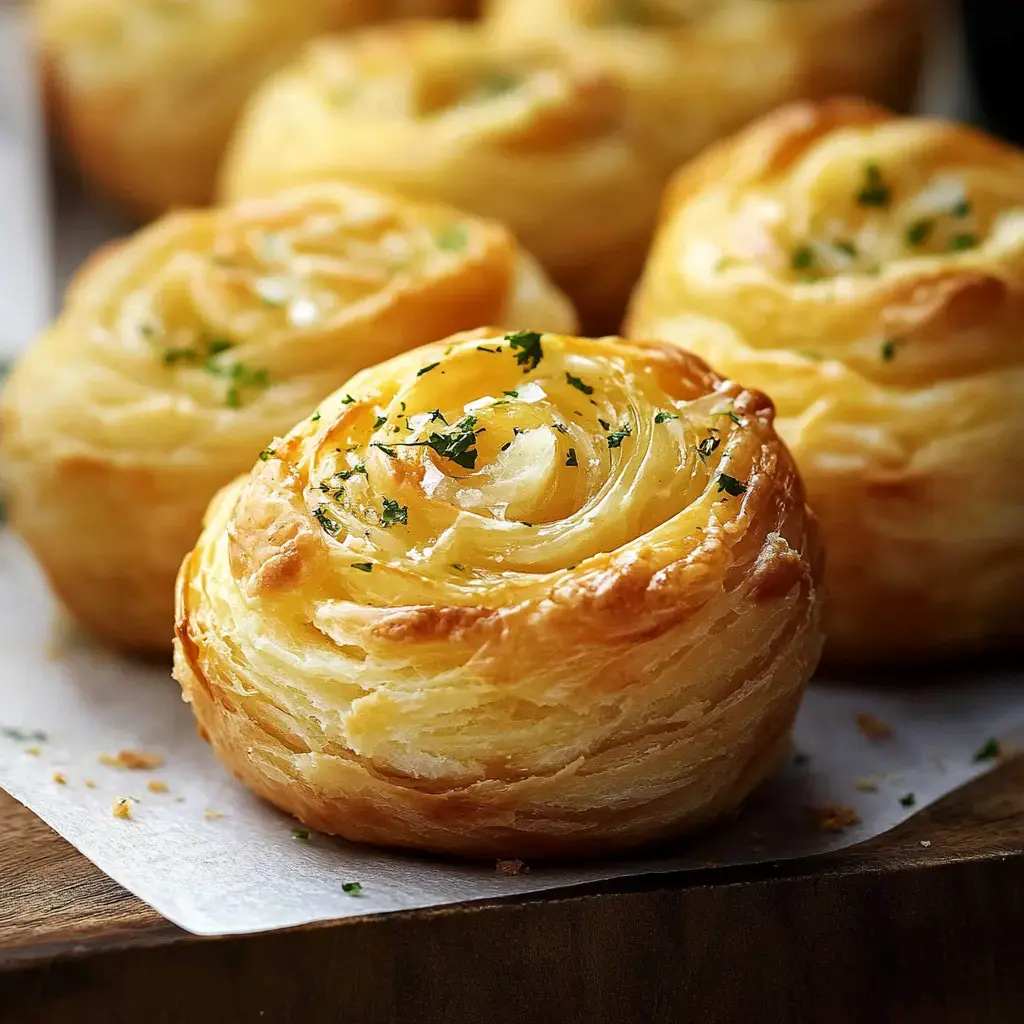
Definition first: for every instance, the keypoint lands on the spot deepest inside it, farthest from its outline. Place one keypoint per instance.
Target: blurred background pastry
(510, 595)
(146, 92)
(532, 136)
(867, 272)
(181, 351)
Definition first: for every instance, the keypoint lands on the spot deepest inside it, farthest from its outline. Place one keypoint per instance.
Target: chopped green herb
(146, 330)
(889, 349)
(363, 566)
(846, 246)
(707, 447)
(458, 444)
(874, 191)
(605, 425)
(730, 485)
(616, 437)
(578, 384)
(570, 459)
(962, 208)
(300, 833)
(426, 369)
(347, 474)
(920, 231)
(173, 356)
(511, 394)
(394, 514)
(233, 398)
(453, 238)
(436, 415)
(484, 348)
(491, 84)
(352, 888)
(664, 417)
(347, 400)
(988, 751)
(963, 242)
(266, 454)
(219, 345)
(908, 801)
(386, 449)
(23, 735)
(561, 428)
(458, 567)
(803, 258)
(379, 422)
(327, 524)
(315, 418)
(527, 347)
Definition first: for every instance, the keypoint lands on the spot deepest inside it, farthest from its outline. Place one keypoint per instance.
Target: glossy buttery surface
(867, 272)
(508, 595)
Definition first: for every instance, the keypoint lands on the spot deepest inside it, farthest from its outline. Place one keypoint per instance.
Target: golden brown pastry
(538, 140)
(718, 62)
(511, 595)
(867, 272)
(182, 351)
(147, 91)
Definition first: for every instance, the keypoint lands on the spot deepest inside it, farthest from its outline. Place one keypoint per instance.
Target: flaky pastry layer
(867, 272)
(509, 595)
(183, 350)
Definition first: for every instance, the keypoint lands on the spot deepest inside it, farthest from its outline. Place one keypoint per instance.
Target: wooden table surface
(891, 930)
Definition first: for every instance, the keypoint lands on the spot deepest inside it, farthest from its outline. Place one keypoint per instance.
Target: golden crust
(183, 351)
(146, 92)
(868, 273)
(579, 621)
(542, 141)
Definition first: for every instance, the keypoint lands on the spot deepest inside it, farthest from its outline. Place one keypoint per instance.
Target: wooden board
(891, 930)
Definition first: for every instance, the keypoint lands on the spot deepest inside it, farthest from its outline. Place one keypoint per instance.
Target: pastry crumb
(511, 867)
(834, 817)
(926, 843)
(122, 808)
(60, 778)
(156, 786)
(211, 815)
(89, 784)
(133, 760)
(34, 751)
(866, 785)
(873, 727)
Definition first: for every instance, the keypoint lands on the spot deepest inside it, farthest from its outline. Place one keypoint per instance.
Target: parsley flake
(803, 258)
(908, 801)
(327, 524)
(266, 454)
(394, 514)
(527, 348)
(173, 356)
(347, 474)
(730, 485)
(386, 449)
(664, 417)
(963, 242)
(707, 447)
(616, 437)
(453, 238)
(426, 369)
(988, 751)
(578, 384)
(352, 888)
(920, 231)
(962, 209)
(363, 566)
(23, 735)
(301, 834)
(315, 418)
(347, 400)
(458, 444)
(379, 422)
(844, 245)
(874, 192)
(570, 459)
(889, 349)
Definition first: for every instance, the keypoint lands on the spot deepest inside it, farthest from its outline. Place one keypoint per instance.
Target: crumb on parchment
(89, 784)
(34, 751)
(60, 778)
(122, 808)
(834, 817)
(211, 815)
(156, 786)
(133, 760)
(509, 868)
(866, 785)
(926, 843)
(873, 727)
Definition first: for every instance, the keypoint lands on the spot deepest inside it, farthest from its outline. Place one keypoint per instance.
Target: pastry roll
(180, 352)
(867, 272)
(510, 595)
(720, 62)
(147, 91)
(539, 140)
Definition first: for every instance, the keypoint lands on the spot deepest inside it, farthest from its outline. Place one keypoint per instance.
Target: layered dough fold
(509, 595)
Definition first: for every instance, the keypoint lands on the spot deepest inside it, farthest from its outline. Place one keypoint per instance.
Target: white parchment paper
(216, 860)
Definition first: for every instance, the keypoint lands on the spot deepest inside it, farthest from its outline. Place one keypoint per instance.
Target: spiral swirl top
(489, 564)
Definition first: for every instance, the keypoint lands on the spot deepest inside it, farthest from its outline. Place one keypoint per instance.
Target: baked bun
(183, 350)
(703, 63)
(525, 596)
(536, 139)
(867, 272)
(146, 91)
